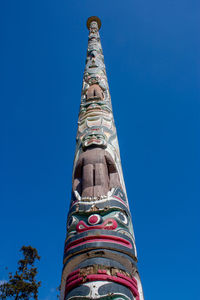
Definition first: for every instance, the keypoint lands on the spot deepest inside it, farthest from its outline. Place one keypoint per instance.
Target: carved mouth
(94, 107)
(93, 66)
(94, 239)
(94, 141)
(121, 231)
(109, 224)
(94, 112)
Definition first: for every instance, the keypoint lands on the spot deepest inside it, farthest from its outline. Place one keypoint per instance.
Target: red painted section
(73, 284)
(134, 280)
(93, 219)
(73, 273)
(96, 277)
(72, 278)
(127, 278)
(109, 224)
(120, 278)
(102, 238)
(102, 271)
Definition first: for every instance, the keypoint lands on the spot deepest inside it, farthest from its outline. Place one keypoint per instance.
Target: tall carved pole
(100, 253)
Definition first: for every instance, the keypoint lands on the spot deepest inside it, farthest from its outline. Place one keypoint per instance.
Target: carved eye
(94, 219)
(72, 222)
(122, 218)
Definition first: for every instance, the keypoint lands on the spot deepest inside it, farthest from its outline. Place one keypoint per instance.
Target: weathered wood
(100, 257)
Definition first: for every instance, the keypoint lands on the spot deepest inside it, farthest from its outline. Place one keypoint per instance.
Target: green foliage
(23, 284)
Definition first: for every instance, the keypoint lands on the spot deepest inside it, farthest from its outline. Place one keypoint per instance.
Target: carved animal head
(94, 139)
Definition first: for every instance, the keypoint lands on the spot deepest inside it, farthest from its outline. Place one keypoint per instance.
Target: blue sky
(151, 51)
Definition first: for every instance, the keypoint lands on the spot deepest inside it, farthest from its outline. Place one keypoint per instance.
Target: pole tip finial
(93, 19)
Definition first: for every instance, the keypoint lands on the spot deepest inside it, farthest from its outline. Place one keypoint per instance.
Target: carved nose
(94, 219)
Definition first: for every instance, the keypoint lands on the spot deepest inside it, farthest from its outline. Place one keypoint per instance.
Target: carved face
(94, 108)
(97, 139)
(113, 220)
(94, 60)
(101, 290)
(93, 26)
(109, 229)
(112, 297)
(102, 280)
(95, 79)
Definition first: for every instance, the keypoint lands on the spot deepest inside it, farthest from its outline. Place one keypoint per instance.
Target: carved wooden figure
(100, 257)
(94, 92)
(95, 173)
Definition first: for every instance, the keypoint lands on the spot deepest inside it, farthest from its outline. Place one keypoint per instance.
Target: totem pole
(100, 259)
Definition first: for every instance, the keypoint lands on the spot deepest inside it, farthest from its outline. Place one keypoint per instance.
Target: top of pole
(93, 19)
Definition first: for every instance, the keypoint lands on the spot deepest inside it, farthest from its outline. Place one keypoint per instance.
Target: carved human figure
(95, 173)
(94, 92)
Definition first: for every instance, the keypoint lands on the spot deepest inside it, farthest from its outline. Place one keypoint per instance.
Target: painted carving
(104, 275)
(95, 172)
(100, 254)
(94, 92)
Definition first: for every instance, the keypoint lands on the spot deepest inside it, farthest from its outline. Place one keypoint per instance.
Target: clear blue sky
(151, 51)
